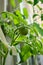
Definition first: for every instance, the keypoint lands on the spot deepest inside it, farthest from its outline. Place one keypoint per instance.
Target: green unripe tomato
(23, 30)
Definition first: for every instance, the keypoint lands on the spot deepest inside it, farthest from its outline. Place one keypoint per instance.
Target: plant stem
(0, 60)
(4, 60)
(14, 39)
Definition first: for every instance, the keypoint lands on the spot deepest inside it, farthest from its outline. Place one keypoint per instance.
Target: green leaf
(32, 37)
(12, 2)
(35, 15)
(30, 2)
(3, 49)
(19, 1)
(1, 22)
(25, 11)
(42, 17)
(21, 38)
(8, 30)
(37, 45)
(39, 7)
(38, 29)
(26, 56)
(4, 15)
(36, 1)
(25, 53)
(18, 13)
(41, 50)
(2, 53)
(16, 21)
(33, 50)
(20, 18)
(41, 1)
(7, 15)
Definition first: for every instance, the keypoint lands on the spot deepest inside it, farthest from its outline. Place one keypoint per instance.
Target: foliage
(15, 26)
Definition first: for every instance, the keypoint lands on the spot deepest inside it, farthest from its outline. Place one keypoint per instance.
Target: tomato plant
(15, 26)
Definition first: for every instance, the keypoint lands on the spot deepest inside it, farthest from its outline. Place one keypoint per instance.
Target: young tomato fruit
(23, 30)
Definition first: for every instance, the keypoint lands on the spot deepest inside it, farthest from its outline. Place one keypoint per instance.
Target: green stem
(4, 60)
(0, 60)
(14, 39)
